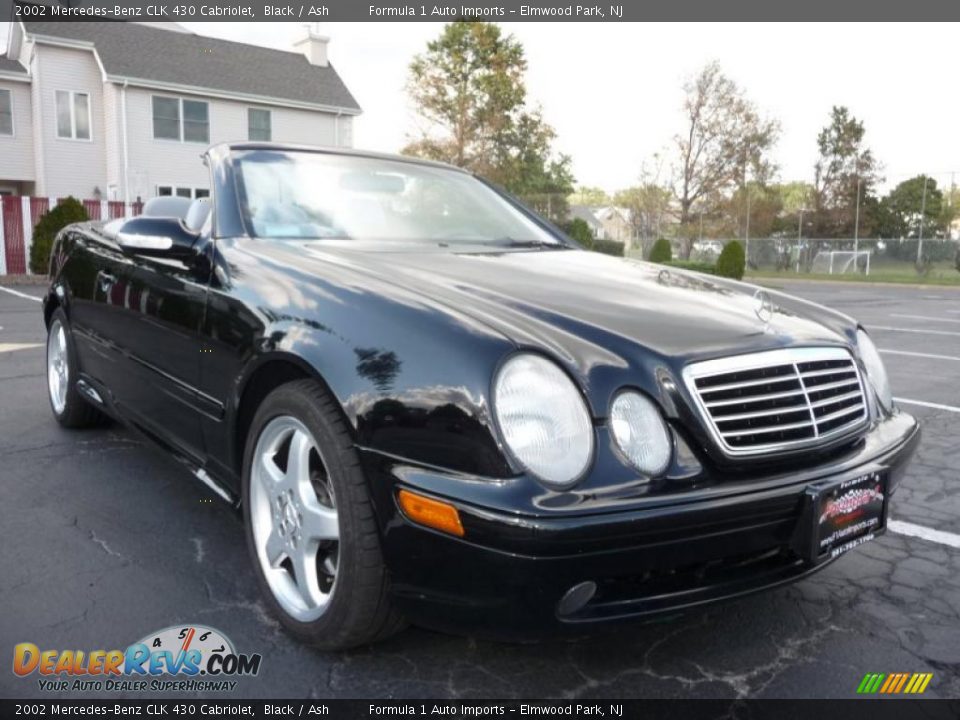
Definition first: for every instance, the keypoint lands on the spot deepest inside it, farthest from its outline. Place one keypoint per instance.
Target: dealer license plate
(842, 514)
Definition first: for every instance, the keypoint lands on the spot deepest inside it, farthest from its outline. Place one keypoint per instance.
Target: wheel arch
(265, 375)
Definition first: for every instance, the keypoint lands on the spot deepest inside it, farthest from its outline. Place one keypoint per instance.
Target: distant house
(616, 223)
(121, 111)
(606, 223)
(586, 213)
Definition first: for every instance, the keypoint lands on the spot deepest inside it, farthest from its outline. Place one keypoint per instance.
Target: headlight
(543, 418)
(640, 432)
(876, 373)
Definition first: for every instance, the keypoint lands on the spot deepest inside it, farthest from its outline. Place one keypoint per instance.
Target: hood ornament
(763, 306)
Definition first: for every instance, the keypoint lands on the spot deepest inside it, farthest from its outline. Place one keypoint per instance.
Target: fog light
(431, 513)
(576, 597)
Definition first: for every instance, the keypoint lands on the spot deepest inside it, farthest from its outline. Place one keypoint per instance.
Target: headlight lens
(876, 373)
(640, 432)
(543, 418)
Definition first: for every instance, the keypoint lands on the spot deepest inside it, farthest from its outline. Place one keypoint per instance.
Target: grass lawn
(881, 271)
(941, 273)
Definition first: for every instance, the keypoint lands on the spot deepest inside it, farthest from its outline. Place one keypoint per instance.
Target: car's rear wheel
(69, 407)
(310, 526)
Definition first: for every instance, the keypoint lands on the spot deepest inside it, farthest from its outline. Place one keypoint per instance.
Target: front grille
(778, 400)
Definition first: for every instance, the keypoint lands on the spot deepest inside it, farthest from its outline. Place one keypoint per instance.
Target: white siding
(113, 142)
(70, 167)
(16, 153)
(169, 162)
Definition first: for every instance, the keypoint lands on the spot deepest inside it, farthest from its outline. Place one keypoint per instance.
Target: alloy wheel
(58, 368)
(294, 518)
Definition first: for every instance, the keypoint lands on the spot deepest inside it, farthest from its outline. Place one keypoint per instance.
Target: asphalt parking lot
(105, 540)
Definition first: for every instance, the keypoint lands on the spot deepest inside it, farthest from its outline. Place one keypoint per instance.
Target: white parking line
(11, 347)
(917, 354)
(914, 330)
(919, 531)
(924, 317)
(924, 403)
(20, 294)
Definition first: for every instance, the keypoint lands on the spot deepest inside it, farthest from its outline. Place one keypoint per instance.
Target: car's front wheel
(69, 407)
(311, 531)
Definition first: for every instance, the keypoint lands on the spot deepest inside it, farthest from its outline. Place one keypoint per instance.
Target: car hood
(560, 299)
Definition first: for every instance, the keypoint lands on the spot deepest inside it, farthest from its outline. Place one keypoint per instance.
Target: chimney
(314, 46)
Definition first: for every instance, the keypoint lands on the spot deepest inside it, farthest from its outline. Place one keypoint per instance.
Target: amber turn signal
(431, 513)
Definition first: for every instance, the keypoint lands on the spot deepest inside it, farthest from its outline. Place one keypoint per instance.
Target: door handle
(106, 281)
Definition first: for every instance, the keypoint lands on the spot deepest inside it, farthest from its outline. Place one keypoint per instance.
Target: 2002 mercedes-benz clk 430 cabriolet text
(430, 405)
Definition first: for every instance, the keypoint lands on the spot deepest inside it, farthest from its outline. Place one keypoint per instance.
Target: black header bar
(446, 709)
(493, 10)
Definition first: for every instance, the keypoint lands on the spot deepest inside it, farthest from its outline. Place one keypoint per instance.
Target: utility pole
(746, 249)
(799, 238)
(856, 224)
(923, 210)
(701, 226)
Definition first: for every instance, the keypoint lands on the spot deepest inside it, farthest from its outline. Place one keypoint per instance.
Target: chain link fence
(908, 257)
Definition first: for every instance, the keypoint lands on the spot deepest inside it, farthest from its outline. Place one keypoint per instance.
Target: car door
(166, 298)
(95, 284)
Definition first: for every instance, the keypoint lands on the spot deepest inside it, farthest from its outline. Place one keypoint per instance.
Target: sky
(613, 92)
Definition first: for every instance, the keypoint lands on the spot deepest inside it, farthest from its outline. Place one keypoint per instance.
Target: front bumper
(506, 578)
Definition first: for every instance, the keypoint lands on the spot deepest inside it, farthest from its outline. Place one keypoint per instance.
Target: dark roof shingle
(137, 51)
(8, 65)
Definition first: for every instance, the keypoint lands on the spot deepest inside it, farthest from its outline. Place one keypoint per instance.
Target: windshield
(317, 195)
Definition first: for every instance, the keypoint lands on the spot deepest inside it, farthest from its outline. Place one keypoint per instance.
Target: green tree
(724, 141)
(648, 207)
(844, 165)
(580, 231)
(468, 89)
(661, 252)
(592, 196)
(901, 214)
(905, 206)
(732, 261)
(69, 210)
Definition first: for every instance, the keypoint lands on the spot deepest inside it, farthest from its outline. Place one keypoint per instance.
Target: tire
(312, 535)
(69, 407)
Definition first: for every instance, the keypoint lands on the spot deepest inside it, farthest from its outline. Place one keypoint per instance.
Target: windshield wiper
(514, 243)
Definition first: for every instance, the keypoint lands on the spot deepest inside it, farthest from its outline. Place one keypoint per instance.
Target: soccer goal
(838, 262)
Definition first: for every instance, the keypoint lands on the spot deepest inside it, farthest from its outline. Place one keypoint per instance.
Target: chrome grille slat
(784, 399)
(831, 371)
(835, 399)
(766, 430)
(840, 413)
(751, 383)
(755, 398)
(764, 413)
(833, 385)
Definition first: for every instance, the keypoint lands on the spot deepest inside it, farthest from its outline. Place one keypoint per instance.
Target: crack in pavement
(106, 548)
(743, 684)
(198, 546)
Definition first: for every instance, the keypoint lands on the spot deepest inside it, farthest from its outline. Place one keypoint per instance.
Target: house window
(196, 121)
(6, 112)
(182, 191)
(73, 115)
(258, 124)
(166, 118)
(180, 119)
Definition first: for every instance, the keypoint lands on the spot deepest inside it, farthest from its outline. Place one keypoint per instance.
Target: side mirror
(156, 237)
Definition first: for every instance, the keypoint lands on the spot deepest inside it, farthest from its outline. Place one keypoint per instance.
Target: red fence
(19, 215)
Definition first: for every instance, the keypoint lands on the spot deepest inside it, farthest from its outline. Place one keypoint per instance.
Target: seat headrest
(167, 206)
(197, 214)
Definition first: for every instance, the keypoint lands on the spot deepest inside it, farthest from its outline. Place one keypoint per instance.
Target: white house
(121, 111)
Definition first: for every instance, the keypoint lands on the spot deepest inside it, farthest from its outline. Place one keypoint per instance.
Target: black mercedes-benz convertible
(430, 405)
